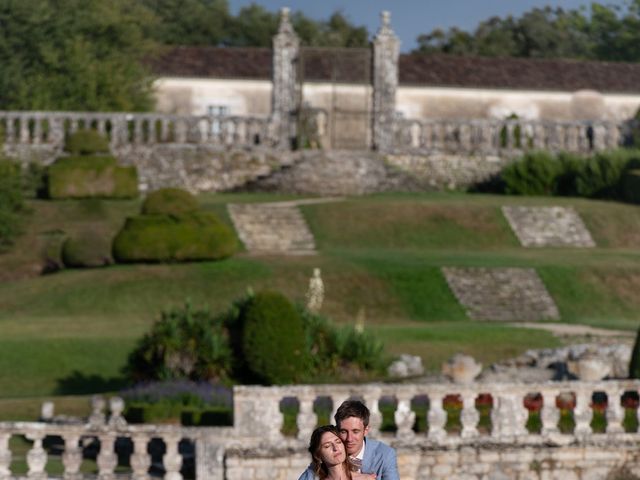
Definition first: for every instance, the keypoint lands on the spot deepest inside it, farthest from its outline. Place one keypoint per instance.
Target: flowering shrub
(190, 403)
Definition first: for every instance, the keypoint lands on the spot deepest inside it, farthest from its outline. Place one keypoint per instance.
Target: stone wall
(600, 461)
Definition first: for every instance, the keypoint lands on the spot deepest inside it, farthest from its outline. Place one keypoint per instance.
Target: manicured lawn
(70, 332)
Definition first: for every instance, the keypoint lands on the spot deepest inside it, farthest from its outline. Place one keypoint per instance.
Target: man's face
(352, 433)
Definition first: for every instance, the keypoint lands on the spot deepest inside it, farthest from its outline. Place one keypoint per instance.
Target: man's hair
(352, 408)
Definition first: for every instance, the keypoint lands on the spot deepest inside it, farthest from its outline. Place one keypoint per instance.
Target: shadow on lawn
(78, 383)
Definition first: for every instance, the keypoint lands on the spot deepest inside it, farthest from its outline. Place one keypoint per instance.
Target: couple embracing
(343, 452)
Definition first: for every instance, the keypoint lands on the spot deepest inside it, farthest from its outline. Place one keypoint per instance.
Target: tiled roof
(248, 63)
(415, 69)
(519, 73)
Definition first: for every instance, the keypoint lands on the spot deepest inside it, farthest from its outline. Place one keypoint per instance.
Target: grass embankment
(70, 332)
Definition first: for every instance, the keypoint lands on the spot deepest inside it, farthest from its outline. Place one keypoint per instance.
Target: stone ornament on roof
(285, 26)
(385, 26)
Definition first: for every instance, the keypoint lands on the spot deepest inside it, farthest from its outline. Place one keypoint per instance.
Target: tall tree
(606, 32)
(73, 55)
(190, 22)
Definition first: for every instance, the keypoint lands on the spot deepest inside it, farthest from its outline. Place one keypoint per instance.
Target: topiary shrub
(600, 175)
(12, 205)
(87, 249)
(630, 186)
(169, 201)
(91, 177)
(86, 142)
(165, 238)
(273, 339)
(185, 343)
(536, 173)
(634, 364)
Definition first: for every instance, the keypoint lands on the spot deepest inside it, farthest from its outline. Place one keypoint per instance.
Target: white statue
(315, 294)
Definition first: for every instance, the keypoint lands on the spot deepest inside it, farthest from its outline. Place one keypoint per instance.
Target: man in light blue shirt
(372, 456)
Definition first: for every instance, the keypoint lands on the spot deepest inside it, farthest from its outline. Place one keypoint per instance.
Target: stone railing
(257, 410)
(122, 129)
(256, 438)
(493, 137)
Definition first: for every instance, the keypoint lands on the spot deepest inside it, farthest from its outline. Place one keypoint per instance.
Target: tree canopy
(89, 54)
(74, 55)
(604, 32)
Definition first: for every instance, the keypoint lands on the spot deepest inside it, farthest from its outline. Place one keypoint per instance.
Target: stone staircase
(548, 226)
(272, 228)
(501, 294)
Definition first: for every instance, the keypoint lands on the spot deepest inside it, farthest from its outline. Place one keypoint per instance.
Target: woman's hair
(319, 468)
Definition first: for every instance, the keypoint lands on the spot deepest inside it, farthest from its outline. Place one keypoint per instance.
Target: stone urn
(461, 369)
(589, 368)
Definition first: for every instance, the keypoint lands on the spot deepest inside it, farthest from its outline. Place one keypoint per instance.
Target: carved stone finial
(385, 27)
(285, 21)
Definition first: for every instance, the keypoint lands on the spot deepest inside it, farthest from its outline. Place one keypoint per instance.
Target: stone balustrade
(495, 137)
(50, 128)
(257, 410)
(250, 447)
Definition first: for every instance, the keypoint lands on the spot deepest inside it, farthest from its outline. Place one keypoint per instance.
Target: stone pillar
(283, 101)
(386, 51)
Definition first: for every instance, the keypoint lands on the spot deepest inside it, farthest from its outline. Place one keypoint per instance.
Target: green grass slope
(69, 333)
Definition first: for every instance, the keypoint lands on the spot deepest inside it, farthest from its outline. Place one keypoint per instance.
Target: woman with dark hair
(329, 458)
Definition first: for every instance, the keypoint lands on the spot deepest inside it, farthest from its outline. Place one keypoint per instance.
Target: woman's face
(332, 450)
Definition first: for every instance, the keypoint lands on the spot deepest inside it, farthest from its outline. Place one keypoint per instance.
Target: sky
(410, 18)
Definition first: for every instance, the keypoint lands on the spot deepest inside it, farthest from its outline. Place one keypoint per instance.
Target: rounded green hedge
(169, 201)
(87, 249)
(168, 238)
(273, 339)
(86, 142)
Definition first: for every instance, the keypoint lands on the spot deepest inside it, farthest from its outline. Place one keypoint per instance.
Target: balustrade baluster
(615, 412)
(599, 137)
(37, 130)
(307, 418)
(425, 136)
(36, 457)
(137, 131)
(73, 125)
(164, 130)
(469, 417)
(549, 414)
(10, 129)
(415, 135)
(107, 460)
(101, 126)
(172, 460)
(404, 417)
(24, 129)
(152, 134)
(437, 417)
(613, 136)
(509, 416)
(372, 400)
(72, 456)
(140, 459)
(582, 413)
(337, 401)
(464, 143)
(5, 456)
(180, 128)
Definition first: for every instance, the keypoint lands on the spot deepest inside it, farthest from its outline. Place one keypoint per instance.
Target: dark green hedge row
(607, 175)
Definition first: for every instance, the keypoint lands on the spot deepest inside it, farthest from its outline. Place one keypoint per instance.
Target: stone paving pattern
(272, 228)
(548, 226)
(502, 294)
